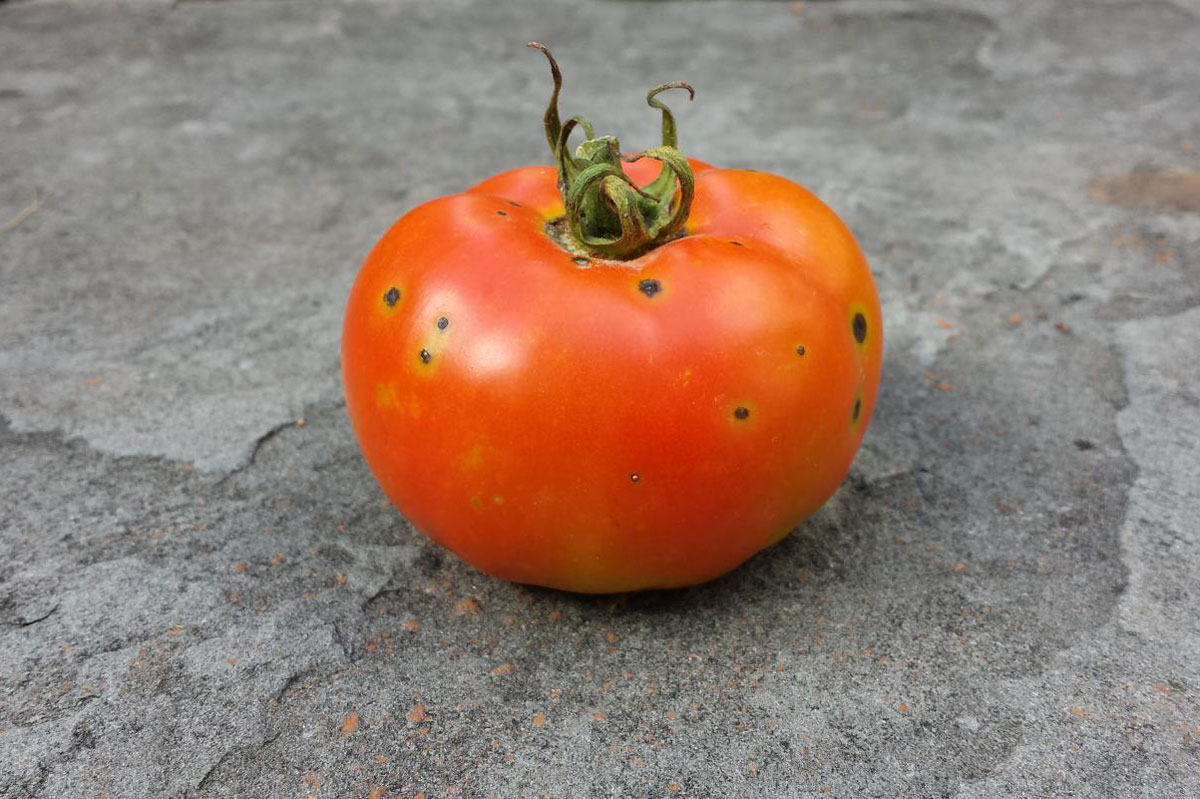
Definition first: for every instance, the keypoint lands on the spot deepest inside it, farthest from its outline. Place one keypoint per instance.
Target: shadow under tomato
(808, 553)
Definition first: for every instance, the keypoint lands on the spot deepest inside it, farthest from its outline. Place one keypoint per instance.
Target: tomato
(597, 421)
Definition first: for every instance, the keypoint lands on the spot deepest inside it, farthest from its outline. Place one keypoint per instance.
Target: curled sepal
(587, 220)
(605, 188)
(606, 213)
(669, 213)
(550, 120)
(670, 136)
(569, 167)
(622, 198)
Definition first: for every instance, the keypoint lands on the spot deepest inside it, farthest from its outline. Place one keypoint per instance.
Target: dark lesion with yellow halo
(392, 299)
(650, 287)
(858, 326)
(861, 330)
(429, 348)
(742, 413)
(427, 355)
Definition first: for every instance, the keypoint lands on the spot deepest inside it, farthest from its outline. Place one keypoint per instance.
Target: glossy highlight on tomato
(597, 423)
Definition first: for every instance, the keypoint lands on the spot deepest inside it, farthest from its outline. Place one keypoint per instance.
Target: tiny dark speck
(442, 323)
(800, 349)
(737, 244)
(502, 213)
(513, 203)
(860, 328)
(635, 478)
(741, 413)
(426, 357)
(649, 287)
(1083, 444)
(393, 294)
(857, 410)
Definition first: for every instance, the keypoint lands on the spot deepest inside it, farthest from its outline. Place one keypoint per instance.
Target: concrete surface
(201, 596)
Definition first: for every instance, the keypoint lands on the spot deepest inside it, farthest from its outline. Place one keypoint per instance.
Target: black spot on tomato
(859, 326)
(649, 287)
(800, 349)
(741, 412)
(857, 410)
(392, 295)
(442, 323)
(737, 244)
(513, 203)
(502, 213)
(635, 477)
(426, 356)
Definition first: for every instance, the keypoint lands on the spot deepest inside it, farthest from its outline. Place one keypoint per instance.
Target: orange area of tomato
(605, 426)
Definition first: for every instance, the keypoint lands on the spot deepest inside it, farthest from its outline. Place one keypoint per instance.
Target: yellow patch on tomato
(385, 395)
(473, 459)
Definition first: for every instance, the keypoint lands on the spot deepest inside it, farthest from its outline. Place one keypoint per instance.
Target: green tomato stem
(606, 214)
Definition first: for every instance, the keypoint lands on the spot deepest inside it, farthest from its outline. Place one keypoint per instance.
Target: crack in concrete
(258, 442)
(35, 620)
(241, 749)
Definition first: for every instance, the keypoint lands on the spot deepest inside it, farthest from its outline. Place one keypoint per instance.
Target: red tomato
(602, 425)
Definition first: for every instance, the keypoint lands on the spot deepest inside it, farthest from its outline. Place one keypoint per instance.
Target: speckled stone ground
(202, 595)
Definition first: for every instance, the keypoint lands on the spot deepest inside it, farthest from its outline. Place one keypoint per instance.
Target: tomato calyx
(607, 214)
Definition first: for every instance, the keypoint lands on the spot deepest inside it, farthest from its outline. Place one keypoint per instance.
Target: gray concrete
(201, 596)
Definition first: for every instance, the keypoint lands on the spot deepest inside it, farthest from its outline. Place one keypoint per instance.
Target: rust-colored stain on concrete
(1155, 189)
(418, 715)
(466, 607)
(349, 724)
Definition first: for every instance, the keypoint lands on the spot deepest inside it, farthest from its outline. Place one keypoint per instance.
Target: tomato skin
(613, 425)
